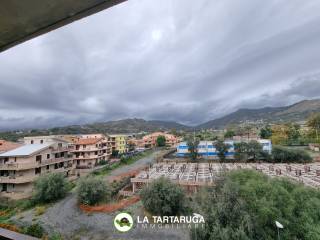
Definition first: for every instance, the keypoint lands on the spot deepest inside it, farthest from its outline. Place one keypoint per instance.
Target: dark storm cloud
(186, 61)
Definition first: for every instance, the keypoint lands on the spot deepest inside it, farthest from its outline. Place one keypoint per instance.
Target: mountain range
(294, 113)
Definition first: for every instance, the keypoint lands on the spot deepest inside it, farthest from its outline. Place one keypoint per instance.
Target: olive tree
(222, 149)
(92, 190)
(50, 187)
(164, 198)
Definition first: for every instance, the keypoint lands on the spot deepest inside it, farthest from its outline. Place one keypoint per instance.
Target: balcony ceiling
(21, 20)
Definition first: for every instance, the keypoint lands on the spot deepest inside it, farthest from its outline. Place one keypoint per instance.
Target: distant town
(190, 159)
(77, 155)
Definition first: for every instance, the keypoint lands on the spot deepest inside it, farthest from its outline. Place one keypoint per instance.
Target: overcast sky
(182, 60)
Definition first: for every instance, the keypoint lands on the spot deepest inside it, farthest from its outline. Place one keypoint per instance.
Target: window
(38, 158)
(31, 142)
(37, 170)
(48, 156)
(41, 141)
(48, 167)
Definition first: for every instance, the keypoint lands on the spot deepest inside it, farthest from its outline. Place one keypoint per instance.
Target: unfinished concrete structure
(194, 175)
(189, 175)
(20, 167)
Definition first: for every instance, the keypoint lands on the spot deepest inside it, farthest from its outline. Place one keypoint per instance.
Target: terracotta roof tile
(87, 141)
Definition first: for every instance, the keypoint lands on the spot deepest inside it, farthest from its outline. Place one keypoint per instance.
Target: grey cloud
(186, 61)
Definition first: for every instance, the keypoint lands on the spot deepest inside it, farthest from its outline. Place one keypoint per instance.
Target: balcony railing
(23, 166)
(16, 179)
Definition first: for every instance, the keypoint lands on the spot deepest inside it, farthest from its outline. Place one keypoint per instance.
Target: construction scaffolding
(194, 175)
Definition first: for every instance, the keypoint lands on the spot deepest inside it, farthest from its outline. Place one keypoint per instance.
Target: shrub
(39, 210)
(49, 188)
(246, 204)
(161, 141)
(116, 186)
(35, 230)
(125, 160)
(55, 236)
(162, 197)
(285, 155)
(92, 190)
(102, 162)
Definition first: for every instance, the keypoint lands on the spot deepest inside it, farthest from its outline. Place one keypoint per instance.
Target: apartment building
(88, 151)
(150, 140)
(7, 146)
(45, 139)
(119, 142)
(20, 167)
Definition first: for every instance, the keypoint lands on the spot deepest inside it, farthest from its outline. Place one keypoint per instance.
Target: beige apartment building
(88, 151)
(20, 167)
(150, 140)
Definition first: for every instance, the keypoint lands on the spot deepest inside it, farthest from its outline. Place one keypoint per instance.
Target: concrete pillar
(133, 187)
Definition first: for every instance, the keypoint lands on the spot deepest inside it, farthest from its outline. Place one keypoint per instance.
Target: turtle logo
(123, 222)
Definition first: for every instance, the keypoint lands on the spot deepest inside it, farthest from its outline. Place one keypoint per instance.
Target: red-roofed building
(88, 151)
(150, 140)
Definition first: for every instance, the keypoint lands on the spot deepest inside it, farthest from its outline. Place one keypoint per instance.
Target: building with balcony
(119, 142)
(20, 167)
(46, 139)
(150, 140)
(88, 152)
(6, 146)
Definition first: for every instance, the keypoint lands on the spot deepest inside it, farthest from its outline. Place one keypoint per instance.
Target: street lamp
(279, 226)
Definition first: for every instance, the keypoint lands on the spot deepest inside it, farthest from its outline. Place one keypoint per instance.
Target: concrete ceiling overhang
(21, 20)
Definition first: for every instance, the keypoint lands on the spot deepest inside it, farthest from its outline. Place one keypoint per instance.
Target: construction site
(194, 175)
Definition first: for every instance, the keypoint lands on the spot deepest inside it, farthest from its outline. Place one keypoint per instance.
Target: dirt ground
(66, 218)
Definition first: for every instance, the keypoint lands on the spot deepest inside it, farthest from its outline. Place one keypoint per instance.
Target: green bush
(161, 141)
(56, 236)
(116, 186)
(246, 204)
(162, 197)
(50, 187)
(125, 160)
(102, 162)
(35, 230)
(285, 155)
(92, 190)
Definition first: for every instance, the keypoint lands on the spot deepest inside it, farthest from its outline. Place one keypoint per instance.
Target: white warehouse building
(207, 148)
